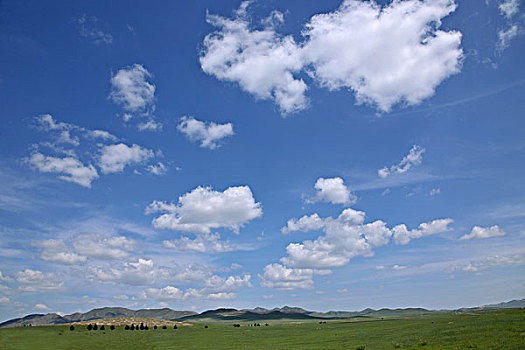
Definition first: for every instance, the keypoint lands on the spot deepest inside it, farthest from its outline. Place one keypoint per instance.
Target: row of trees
(236, 325)
(94, 327)
(142, 326)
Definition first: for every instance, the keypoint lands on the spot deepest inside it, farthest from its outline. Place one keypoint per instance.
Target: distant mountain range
(234, 315)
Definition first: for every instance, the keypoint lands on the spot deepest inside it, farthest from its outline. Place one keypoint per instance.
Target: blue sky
(194, 155)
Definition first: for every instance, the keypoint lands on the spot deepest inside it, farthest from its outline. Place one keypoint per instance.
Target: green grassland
(503, 329)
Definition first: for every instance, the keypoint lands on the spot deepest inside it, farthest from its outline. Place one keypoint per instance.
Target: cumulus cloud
(207, 133)
(261, 61)
(484, 232)
(87, 28)
(215, 287)
(157, 169)
(71, 169)
(104, 248)
(136, 273)
(37, 281)
(114, 158)
(347, 236)
(402, 235)
(339, 50)
(4, 278)
(132, 89)
(202, 243)
(283, 278)
(150, 125)
(55, 250)
(204, 209)
(413, 158)
(41, 307)
(168, 293)
(332, 190)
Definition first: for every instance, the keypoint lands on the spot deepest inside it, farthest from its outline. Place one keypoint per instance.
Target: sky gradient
(193, 155)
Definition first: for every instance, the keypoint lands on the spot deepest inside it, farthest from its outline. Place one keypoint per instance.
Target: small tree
(132, 327)
(95, 327)
(71, 328)
(126, 327)
(164, 327)
(89, 327)
(175, 327)
(112, 327)
(141, 326)
(154, 327)
(206, 326)
(102, 328)
(146, 327)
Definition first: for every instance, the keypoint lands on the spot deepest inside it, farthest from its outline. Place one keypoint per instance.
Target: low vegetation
(504, 329)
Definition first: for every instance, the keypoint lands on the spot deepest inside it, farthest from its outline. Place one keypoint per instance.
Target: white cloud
(41, 307)
(202, 243)
(72, 169)
(344, 290)
(399, 267)
(113, 158)
(87, 27)
(332, 190)
(207, 133)
(204, 209)
(305, 223)
(132, 90)
(150, 125)
(217, 284)
(435, 191)
(492, 261)
(505, 36)
(284, 278)
(101, 134)
(158, 169)
(262, 62)
(37, 281)
(4, 300)
(413, 158)
(104, 248)
(402, 235)
(509, 8)
(346, 237)
(222, 296)
(168, 293)
(56, 251)
(5, 278)
(484, 232)
(136, 273)
(415, 56)
(339, 51)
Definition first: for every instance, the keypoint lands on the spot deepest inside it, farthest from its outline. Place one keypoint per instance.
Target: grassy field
(489, 330)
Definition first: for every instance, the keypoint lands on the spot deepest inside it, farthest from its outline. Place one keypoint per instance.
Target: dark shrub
(142, 326)
(89, 327)
(71, 328)
(362, 347)
(154, 327)
(126, 327)
(164, 327)
(95, 327)
(132, 327)
(146, 327)
(102, 328)
(206, 326)
(175, 327)
(112, 327)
